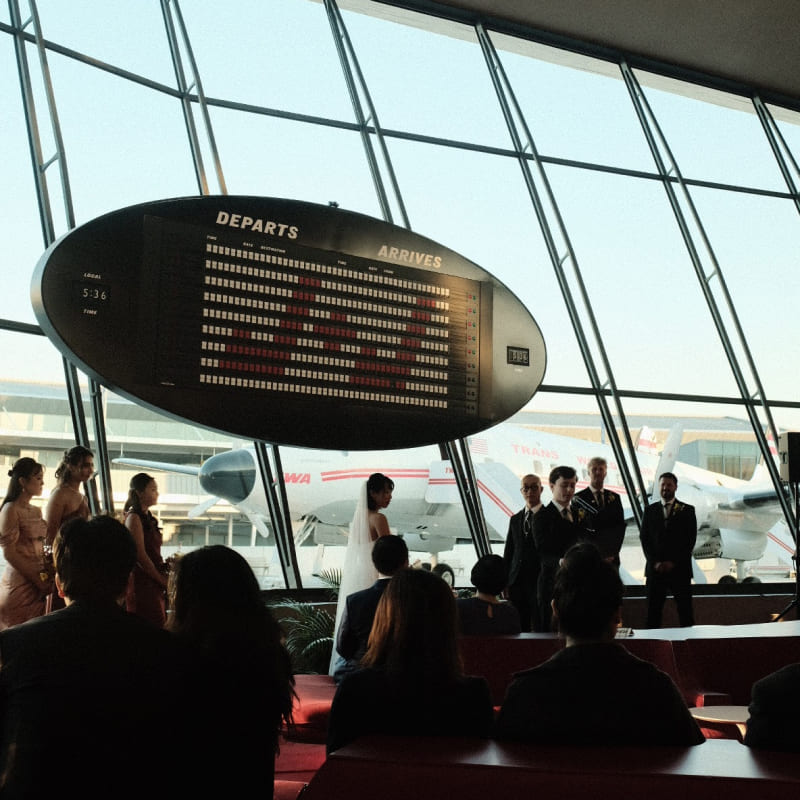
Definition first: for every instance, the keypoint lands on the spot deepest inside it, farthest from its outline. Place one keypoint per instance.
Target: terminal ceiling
(738, 42)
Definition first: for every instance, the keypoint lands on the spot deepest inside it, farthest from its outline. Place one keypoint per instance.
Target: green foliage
(309, 635)
(332, 578)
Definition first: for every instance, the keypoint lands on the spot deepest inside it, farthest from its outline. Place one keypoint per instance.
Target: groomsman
(668, 536)
(602, 517)
(520, 555)
(555, 530)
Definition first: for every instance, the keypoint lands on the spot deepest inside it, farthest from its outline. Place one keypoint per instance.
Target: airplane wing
(162, 466)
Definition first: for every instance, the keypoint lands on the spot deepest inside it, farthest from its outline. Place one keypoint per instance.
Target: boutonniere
(579, 514)
(610, 498)
(676, 507)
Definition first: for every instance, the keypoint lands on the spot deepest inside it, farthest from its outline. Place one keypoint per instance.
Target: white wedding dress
(358, 571)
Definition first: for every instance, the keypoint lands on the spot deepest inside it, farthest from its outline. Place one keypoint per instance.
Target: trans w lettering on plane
(737, 519)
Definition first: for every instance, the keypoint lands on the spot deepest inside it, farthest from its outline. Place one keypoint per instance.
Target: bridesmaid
(147, 587)
(27, 579)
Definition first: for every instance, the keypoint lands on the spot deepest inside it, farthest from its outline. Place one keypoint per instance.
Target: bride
(368, 524)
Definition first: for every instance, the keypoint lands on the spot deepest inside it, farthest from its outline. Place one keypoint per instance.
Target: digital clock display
(518, 356)
(91, 292)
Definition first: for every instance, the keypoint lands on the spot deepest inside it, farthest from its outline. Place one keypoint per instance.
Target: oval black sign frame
(288, 322)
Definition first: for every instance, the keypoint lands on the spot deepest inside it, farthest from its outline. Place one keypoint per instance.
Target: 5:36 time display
(92, 292)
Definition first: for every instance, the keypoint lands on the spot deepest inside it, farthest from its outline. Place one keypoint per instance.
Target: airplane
(736, 518)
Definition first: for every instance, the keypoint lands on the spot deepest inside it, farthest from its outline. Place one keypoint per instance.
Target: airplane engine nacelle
(742, 545)
(709, 543)
(231, 475)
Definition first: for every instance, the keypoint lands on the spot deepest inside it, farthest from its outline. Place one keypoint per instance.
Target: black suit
(522, 570)
(554, 535)
(774, 722)
(671, 539)
(356, 624)
(604, 523)
(92, 698)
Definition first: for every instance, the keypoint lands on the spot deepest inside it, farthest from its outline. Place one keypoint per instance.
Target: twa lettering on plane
(735, 517)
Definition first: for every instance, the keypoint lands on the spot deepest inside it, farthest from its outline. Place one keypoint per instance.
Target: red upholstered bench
(288, 790)
(731, 666)
(312, 708)
(298, 761)
(473, 769)
(497, 658)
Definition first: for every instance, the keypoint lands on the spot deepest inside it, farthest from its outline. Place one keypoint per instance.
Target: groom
(389, 554)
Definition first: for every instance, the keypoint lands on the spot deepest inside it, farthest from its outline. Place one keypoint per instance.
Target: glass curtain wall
(273, 114)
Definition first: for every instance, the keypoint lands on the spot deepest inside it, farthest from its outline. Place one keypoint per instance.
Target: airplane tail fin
(668, 456)
(761, 473)
(646, 441)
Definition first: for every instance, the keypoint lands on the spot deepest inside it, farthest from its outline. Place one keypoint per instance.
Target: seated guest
(484, 614)
(412, 682)
(97, 702)
(389, 554)
(774, 722)
(220, 612)
(594, 691)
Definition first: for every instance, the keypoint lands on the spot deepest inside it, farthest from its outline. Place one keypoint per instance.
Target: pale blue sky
(126, 144)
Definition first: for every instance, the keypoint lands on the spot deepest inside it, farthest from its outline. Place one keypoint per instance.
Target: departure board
(238, 318)
(289, 322)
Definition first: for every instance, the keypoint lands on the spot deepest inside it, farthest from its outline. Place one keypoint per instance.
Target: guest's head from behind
(26, 477)
(379, 491)
(219, 609)
(587, 596)
(77, 464)
(414, 634)
(142, 493)
(93, 559)
(488, 575)
(215, 587)
(389, 554)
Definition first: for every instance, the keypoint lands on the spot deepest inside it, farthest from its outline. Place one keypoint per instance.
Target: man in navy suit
(389, 554)
(89, 692)
(521, 557)
(668, 536)
(601, 512)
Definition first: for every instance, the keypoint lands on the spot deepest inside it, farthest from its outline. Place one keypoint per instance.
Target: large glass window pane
(278, 54)
(757, 241)
(642, 285)
(127, 35)
(488, 217)
(575, 107)
(560, 429)
(428, 83)
(295, 160)
(789, 125)
(135, 148)
(322, 489)
(20, 229)
(716, 138)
